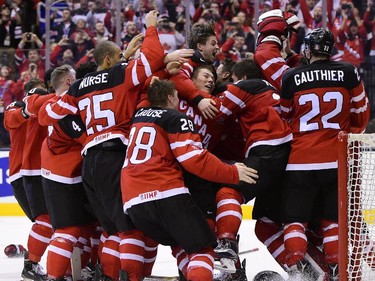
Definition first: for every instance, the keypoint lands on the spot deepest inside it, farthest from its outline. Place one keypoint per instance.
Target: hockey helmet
(320, 41)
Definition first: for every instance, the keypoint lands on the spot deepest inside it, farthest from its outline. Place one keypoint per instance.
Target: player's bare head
(34, 83)
(204, 78)
(200, 33)
(62, 76)
(160, 92)
(246, 69)
(86, 68)
(224, 70)
(107, 54)
(203, 39)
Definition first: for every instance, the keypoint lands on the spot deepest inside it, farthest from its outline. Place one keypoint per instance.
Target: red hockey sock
(103, 237)
(229, 213)
(132, 248)
(271, 235)
(201, 265)
(60, 251)
(295, 242)
(39, 237)
(151, 250)
(84, 243)
(94, 242)
(330, 241)
(110, 257)
(182, 259)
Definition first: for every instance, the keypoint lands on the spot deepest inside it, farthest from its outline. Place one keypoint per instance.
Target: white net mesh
(361, 207)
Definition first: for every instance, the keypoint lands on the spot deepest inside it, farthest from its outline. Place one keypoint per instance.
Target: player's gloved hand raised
(275, 25)
(246, 174)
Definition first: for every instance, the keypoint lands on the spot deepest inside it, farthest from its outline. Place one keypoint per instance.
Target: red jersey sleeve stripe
(177, 144)
(225, 110)
(235, 99)
(272, 61)
(52, 114)
(279, 72)
(67, 106)
(189, 155)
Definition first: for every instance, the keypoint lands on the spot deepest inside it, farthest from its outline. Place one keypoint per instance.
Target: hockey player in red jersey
(106, 101)
(255, 103)
(154, 194)
(319, 100)
(62, 183)
(203, 40)
(273, 28)
(29, 192)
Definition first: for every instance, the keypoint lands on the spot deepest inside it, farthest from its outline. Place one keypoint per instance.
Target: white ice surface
(14, 230)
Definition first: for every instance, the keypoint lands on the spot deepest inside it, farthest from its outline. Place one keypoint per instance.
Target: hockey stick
(76, 264)
(248, 251)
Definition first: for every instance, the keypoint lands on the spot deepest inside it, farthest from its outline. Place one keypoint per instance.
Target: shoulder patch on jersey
(72, 125)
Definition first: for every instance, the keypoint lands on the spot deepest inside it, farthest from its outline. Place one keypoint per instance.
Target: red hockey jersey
(268, 58)
(61, 150)
(183, 83)
(160, 141)
(106, 100)
(320, 100)
(16, 124)
(255, 102)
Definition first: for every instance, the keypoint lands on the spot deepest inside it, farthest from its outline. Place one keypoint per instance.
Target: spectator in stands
(10, 28)
(369, 20)
(34, 56)
(5, 84)
(98, 11)
(235, 48)
(266, 6)
(353, 36)
(243, 23)
(81, 12)
(26, 11)
(82, 43)
(130, 32)
(81, 25)
(110, 23)
(168, 36)
(15, 91)
(100, 33)
(66, 28)
(62, 54)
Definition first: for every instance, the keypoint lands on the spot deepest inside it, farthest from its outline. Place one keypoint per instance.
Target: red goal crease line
(14, 210)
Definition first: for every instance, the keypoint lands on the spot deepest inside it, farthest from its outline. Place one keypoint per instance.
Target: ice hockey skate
(303, 271)
(227, 249)
(87, 273)
(268, 275)
(32, 271)
(99, 275)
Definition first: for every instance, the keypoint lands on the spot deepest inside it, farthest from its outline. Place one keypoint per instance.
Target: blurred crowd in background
(76, 26)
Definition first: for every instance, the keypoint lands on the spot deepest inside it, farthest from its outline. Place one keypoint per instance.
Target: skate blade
(226, 265)
(161, 278)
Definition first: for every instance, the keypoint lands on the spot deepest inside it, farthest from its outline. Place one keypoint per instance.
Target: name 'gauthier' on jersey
(93, 80)
(318, 75)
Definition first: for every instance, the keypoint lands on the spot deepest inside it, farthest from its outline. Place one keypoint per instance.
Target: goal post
(356, 198)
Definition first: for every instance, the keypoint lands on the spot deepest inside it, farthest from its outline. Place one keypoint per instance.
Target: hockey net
(357, 206)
